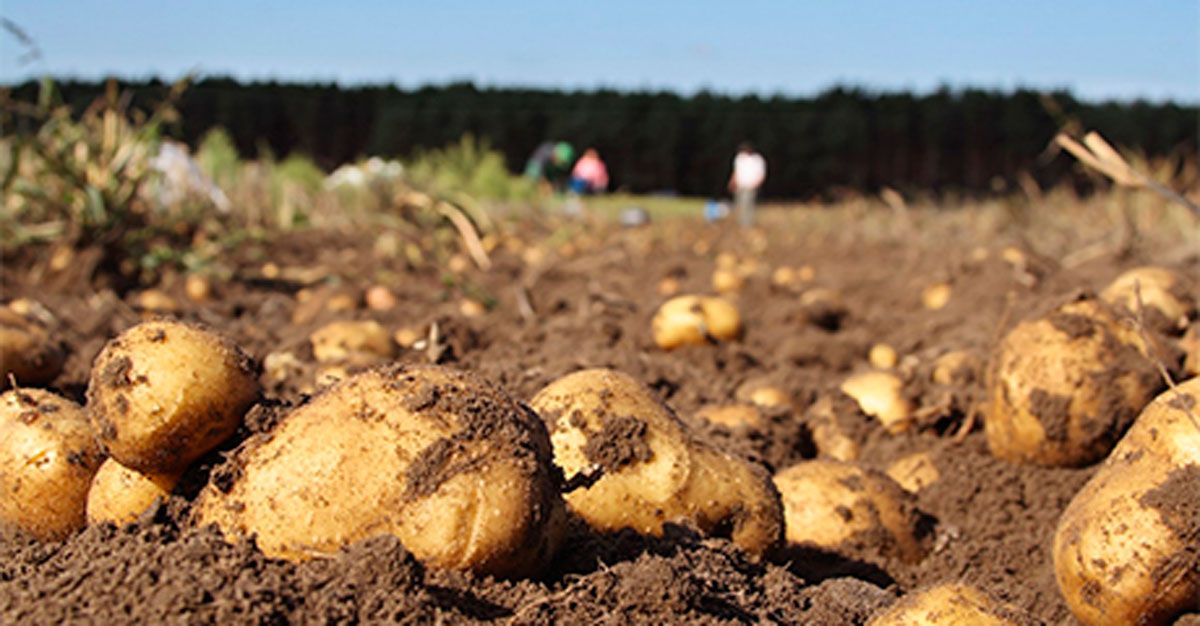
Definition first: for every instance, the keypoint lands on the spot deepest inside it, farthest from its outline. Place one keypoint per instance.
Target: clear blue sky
(1096, 48)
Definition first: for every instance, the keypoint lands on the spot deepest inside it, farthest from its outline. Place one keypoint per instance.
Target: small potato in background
(651, 471)
(164, 393)
(48, 456)
(452, 466)
(837, 506)
(1063, 388)
(119, 494)
(951, 604)
(881, 395)
(1167, 297)
(695, 320)
(355, 342)
(1126, 547)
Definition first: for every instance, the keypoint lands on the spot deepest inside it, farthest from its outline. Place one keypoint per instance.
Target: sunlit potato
(164, 393)
(120, 495)
(951, 604)
(1162, 292)
(452, 466)
(838, 506)
(1063, 388)
(914, 472)
(881, 395)
(732, 416)
(652, 472)
(695, 320)
(1125, 550)
(48, 455)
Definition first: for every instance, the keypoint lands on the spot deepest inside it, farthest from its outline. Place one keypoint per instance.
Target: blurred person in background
(749, 172)
(590, 174)
(550, 164)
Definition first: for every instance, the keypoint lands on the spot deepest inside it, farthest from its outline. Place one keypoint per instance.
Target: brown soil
(991, 521)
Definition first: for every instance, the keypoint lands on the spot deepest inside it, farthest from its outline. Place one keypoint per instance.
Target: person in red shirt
(590, 174)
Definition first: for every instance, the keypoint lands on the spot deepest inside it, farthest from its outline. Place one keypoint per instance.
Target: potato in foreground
(1127, 548)
(1064, 387)
(453, 467)
(119, 494)
(834, 506)
(27, 353)
(950, 604)
(48, 455)
(164, 393)
(695, 320)
(652, 471)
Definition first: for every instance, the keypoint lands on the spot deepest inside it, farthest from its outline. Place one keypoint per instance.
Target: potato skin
(1125, 550)
(950, 604)
(450, 465)
(833, 505)
(119, 494)
(881, 395)
(1163, 293)
(1063, 388)
(654, 472)
(27, 352)
(164, 393)
(695, 320)
(47, 458)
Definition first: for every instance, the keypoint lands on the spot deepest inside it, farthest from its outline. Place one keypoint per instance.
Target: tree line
(963, 140)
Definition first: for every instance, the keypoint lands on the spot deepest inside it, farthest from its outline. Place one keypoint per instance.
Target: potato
(1163, 293)
(726, 281)
(936, 296)
(695, 320)
(837, 425)
(733, 416)
(380, 298)
(1063, 388)
(950, 604)
(881, 395)
(653, 471)
(48, 455)
(356, 342)
(164, 393)
(197, 288)
(914, 472)
(450, 465)
(957, 367)
(833, 505)
(1189, 344)
(468, 307)
(1125, 550)
(883, 356)
(27, 352)
(668, 286)
(762, 395)
(155, 302)
(119, 494)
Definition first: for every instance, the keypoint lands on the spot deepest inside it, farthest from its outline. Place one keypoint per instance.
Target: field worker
(590, 175)
(749, 172)
(550, 164)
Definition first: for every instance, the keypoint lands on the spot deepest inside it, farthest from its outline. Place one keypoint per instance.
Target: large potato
(164, 393)
(27, 352)
(1164, 294)
(450, 465)
(119, 494)
(1127, 548)
(1063, 388)
(652, 472)
(47, 458)
(695, 320)
(950, 604)
(834, 506)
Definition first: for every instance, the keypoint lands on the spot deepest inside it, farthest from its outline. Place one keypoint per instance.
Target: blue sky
(1097, 48)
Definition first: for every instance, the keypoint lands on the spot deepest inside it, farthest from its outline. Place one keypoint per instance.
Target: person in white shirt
(749, 172)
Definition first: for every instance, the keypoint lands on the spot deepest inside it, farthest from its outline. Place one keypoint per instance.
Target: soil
(588, 303)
